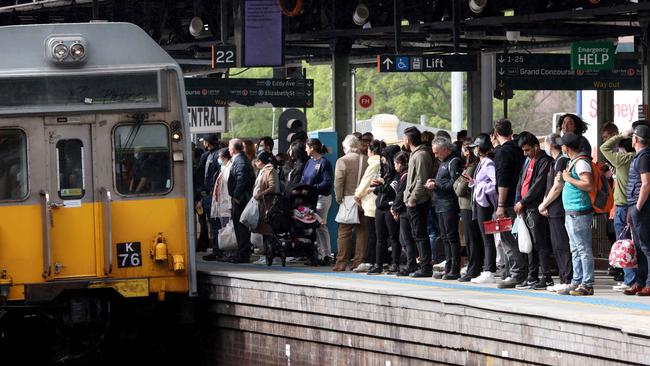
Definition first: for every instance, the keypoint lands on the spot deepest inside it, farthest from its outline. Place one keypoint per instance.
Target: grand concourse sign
(426, 63)
(553, 72)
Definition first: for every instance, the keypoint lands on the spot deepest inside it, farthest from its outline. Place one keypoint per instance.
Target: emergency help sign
(592, 56)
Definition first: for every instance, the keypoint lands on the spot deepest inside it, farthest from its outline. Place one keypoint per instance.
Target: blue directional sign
(426, 63)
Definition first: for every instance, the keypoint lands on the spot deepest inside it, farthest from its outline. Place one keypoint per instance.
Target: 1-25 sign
(224, 56)
(129, 254)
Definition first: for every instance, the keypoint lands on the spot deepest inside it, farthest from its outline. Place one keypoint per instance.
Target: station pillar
(604, 114)
(342, 97)
(479, 97)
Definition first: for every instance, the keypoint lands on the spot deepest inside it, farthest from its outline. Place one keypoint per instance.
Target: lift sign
(129, 255)
(592, 56)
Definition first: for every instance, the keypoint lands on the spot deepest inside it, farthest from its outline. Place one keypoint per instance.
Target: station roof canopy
(313, 28)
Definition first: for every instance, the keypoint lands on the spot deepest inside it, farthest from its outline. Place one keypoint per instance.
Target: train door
(72, 197)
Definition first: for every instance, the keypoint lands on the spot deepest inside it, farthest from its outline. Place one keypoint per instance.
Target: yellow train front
(95, 167)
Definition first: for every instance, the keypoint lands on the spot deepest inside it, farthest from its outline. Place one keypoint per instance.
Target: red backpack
(601, 196)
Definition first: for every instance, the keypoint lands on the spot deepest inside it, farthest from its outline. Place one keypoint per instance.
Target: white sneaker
(262, 260)
(440, 267)
(556, 288)
(485, 277)
(565, 289)
(363, 267)
(463, 271)
(621, 287)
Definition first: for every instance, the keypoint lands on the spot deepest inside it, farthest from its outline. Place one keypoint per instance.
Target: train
(96, 201)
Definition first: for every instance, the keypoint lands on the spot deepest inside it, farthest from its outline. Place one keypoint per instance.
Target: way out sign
(207, 119)
(592, 56)
(365, 100)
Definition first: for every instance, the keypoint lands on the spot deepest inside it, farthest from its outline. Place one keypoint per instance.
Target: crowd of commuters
(431, 189)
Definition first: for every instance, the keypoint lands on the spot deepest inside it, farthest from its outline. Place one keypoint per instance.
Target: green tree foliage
(406, 95)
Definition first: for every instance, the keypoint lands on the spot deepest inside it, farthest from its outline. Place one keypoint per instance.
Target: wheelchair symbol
(402, 64)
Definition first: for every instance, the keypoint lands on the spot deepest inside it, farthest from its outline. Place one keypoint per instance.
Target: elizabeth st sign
(553, 72)
(426, 63)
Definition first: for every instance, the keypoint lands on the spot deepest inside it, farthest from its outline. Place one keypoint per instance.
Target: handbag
(524, 241)
(348, 209)
(498, 225)
(250, 217)
(227, 237)
(623, 253)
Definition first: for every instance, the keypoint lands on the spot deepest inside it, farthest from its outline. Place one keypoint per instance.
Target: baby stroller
(294, 235)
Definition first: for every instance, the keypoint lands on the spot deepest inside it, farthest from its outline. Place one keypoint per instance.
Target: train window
(85, 92)
(13, 165)
(142, 159)
(70, 165)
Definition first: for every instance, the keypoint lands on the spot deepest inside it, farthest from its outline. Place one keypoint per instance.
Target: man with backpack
(579, 181)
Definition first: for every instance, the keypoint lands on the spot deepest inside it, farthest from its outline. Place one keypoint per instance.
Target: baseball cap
(571, 140)
(642, 131)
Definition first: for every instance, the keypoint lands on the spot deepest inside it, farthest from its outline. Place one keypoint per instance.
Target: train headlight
(66, 49)
(60, 51)
(177, 136)
(77, 50)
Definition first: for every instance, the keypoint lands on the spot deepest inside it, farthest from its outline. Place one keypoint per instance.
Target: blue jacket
(634, 178)
(319, 173)
(241, 179)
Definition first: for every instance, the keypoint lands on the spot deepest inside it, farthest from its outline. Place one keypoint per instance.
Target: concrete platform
(312, 316)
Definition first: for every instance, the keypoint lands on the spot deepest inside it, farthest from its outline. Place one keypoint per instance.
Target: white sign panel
(207, 119)
(626, 110)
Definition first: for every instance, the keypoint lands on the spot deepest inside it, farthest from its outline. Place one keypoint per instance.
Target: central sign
(592, 55)
(207, 119)
(426, 63)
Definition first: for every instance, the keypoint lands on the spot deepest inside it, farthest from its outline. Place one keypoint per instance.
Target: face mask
(220, 161)
(137, 155)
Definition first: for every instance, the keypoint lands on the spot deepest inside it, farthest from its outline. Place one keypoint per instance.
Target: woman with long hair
(473, 240)
(484, 196)
(319, 173)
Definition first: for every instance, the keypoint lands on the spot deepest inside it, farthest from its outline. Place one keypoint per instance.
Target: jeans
(484, 214)
(448, 224)
(561, 248)
(620, 222)
(322, 233)
(517, 261)
(579, 230)
(642, 242)
(418, 218)
(406, 239)
(433, 229)
(473, 243)
(387, 233)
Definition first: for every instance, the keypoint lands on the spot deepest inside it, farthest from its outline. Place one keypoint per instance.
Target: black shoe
(420, 273)
(451, 276)
(210, 257)
(394, 268)
(465, 278)
(404, 272)
(507, 283)
(527, 284)
(375, 270)
(239, 260)
(543, 284)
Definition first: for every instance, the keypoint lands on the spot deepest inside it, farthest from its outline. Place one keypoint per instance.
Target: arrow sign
(501, 59)
(426, 63)
(388, 62)
(501, 72)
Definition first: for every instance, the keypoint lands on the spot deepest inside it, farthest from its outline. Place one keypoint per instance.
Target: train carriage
(95, 165)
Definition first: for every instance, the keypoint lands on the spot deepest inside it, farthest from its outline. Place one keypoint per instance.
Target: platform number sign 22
(224, 56)
(129, 254)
